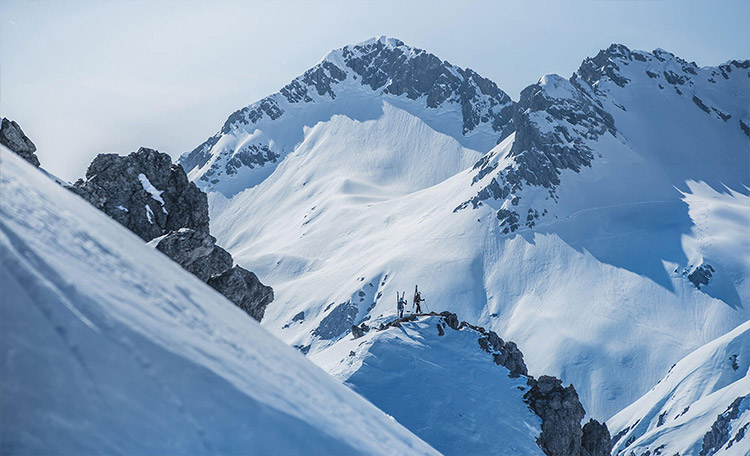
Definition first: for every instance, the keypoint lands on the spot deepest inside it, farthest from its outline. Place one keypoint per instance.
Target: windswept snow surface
(676, 414)
(109, 347)
(595, 291)
(444, 388)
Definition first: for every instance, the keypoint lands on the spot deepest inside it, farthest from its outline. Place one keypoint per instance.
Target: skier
(401, 304)
(417, 300)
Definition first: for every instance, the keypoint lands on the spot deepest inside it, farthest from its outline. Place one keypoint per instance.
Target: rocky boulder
(196, 251)
(243, 288)
(504, 353)
(144, 192)
(561, 413)
(12, 137)
(596, 440)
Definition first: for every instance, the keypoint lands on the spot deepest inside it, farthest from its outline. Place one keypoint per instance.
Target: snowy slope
(352, 81)
(109, 347)
(578, 236)
(677, 413)
(443, 387)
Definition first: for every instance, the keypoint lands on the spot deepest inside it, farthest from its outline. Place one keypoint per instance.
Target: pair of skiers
(401, 302)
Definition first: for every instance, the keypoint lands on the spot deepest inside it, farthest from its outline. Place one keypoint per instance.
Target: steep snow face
(441, 385)
(701, 407)
(352, 81)
(107, 346)
(605, 234)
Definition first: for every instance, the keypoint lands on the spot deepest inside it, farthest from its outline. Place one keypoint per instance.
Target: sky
(85, 77)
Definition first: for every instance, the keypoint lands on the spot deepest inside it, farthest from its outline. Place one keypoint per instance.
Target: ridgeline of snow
(636, 190)
(109, 347)
(443, 387)
(677, 413)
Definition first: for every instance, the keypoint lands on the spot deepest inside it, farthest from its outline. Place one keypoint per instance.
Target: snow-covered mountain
(352, 81)
(606, 233)
(701, 407)
(109, 347)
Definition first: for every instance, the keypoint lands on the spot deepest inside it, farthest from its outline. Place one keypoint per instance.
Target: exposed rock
(450, 318)
(503, 353)
(144, 192)
(595, 440)
(440, 330)
(12, 137)
(195, 251)
(719, 433)
(357, 332)
(337, 321)
(243, 288)
(561, 413)
(701, 275)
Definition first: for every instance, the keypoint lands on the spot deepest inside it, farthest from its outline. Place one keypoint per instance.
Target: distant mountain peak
(258, 135)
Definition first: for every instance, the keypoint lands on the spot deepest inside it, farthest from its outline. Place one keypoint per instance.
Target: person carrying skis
(401, 304)
(417, 300)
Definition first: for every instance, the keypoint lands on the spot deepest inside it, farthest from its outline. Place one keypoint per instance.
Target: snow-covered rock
(109, 347)
(701, 407)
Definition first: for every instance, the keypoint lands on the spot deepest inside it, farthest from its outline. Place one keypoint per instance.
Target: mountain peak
(459, 102)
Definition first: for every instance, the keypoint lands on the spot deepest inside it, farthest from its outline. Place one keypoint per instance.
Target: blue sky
(83, 77)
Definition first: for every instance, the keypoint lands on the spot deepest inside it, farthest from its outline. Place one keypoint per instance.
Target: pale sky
(84, 77)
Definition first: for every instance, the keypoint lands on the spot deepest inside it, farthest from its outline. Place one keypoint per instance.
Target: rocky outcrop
(561, 413)
(719, 433)
(243, 288)
(12, 137)
(337, 321)
(153, 198)
(701, 275)
(555, 121)
(144, 192)
(595, 440)
(195, 251)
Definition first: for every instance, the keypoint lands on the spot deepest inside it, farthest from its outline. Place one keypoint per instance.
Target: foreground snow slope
(584, 236)
(109, 347)
(676, 414)
(443, 387)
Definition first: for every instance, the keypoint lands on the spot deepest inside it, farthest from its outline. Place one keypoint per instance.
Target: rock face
(12, 137)
(701, 275)
(153, 198)
(504, 353)
(196, 251)
(144, 192)
(719, 433)
(243, 288)
(561, 413)
(596, 440)
(337, 321)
